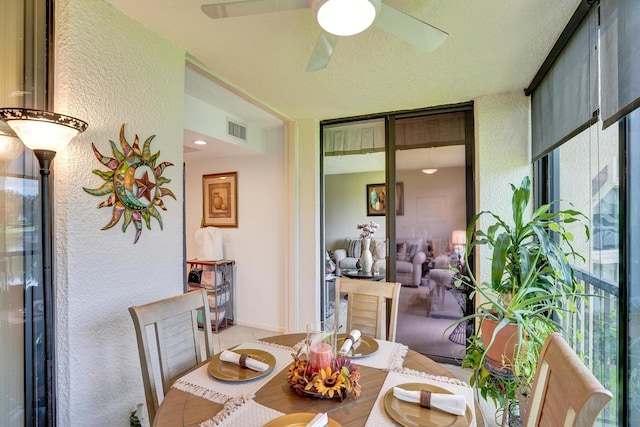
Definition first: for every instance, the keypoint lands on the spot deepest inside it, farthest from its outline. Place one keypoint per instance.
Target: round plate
(227, 371)
(299, 419)
(365, 346)
(413, 415)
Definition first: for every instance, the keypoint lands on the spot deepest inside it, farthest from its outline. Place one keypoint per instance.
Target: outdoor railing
(593, 333)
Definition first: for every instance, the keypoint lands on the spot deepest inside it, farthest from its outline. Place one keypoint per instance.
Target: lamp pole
(44, 158)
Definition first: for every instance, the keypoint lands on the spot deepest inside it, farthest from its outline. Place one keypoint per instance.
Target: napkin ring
(425, 399)
(243, 360)
(350, 337)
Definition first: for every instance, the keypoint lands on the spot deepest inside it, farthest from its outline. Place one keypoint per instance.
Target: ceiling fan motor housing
(345, 17)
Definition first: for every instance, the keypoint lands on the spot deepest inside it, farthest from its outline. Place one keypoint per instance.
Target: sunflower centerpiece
(336, 381)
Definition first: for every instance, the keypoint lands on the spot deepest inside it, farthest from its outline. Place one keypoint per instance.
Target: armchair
(409, 259)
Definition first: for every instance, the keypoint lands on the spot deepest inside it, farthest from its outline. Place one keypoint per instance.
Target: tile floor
(237, 334)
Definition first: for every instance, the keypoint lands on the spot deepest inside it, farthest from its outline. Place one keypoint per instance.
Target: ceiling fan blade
(410, 29)
(322, 52)
(251, 7)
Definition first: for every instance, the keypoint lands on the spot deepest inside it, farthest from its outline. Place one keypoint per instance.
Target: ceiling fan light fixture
(430, 171)
(345, 17)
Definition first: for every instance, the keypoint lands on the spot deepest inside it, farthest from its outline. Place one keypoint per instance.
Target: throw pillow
(354, 250)
(401, 251)
(380, 249)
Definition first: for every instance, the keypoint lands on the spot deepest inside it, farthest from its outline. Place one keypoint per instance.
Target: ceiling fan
(336, 17)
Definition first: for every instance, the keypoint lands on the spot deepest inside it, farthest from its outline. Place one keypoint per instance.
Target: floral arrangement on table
(367, 229)
(338, 380)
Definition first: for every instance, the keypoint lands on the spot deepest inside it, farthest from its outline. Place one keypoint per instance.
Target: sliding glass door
(409, 174)
(430, 225)
(23, 401)
(354, 185)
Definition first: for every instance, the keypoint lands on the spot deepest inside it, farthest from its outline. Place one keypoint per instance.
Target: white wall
(257, 244)
(345, 207)
(434, 205)
(110, 70)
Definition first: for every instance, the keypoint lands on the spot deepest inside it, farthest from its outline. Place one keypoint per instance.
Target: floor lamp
(45, 133)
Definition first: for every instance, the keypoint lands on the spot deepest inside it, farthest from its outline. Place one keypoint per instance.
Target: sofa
(409, 258)
(347, 258)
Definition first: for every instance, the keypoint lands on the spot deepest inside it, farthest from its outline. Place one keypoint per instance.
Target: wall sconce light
(45, 133)
(430, 171)
(345, 17)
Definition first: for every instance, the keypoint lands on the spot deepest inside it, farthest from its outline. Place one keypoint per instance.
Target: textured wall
(503, 149)
(109, 71)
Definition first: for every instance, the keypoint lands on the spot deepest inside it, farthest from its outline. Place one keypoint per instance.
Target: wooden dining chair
(565, 392)
(366, 306)
(173, 347)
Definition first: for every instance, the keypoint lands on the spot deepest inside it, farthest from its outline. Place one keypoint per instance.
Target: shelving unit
(218, 278)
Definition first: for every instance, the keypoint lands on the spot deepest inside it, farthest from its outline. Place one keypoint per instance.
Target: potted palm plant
(531, 285)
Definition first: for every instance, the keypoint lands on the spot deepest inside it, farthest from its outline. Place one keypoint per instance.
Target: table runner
(201, 384)
(378, 415)
(243, 413)
(390, 355)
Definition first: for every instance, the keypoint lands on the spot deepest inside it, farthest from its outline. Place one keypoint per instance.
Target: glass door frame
(390, 177)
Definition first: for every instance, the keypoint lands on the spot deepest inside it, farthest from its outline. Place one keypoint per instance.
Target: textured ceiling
(494, 46)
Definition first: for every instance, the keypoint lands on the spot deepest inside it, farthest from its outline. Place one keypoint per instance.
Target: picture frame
(220, 200)
(376, 199)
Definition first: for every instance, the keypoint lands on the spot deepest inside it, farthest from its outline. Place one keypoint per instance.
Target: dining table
(198, 399)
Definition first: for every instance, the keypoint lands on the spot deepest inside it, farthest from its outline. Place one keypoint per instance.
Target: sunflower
(133, 184)
(328, 382)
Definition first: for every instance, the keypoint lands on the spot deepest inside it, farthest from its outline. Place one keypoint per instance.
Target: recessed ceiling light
(200, 142)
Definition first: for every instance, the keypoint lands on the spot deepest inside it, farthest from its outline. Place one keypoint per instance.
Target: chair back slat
(168, 329)
(366, 306)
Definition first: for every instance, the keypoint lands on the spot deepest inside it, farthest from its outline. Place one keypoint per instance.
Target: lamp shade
(345, 17)
(459, 238)
(42, 130)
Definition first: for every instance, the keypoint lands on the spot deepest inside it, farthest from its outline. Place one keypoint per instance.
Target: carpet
(428, 334)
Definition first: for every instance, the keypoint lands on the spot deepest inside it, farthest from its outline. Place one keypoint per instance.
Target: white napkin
(452, 403)
(346, 346)
(320, 420)
(233, 357)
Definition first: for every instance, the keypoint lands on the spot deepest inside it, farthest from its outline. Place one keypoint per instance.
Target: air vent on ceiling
(236, 130)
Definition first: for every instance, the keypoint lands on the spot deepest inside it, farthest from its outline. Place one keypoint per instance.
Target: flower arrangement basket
(337, 381)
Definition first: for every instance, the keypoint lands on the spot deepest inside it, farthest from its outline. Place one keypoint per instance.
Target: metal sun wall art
(133, 183)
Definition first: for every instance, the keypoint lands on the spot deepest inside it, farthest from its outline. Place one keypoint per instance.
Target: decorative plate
(413, 415)
(365, 346)
(299, 419)
(227, 371)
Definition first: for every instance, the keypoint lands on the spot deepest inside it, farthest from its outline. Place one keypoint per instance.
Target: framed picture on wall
(220, 199)
(377, 199)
